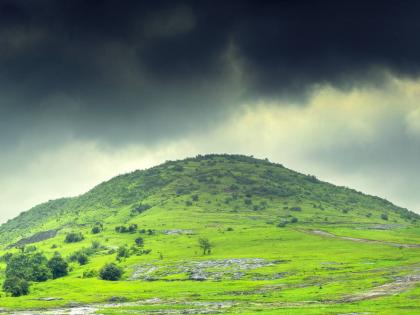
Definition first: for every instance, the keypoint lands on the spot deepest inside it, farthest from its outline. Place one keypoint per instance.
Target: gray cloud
(153, 73)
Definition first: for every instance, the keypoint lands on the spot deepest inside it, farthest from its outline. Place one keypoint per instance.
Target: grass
(308, 274)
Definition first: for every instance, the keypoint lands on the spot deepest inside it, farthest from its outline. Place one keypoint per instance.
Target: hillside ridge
(233, 176)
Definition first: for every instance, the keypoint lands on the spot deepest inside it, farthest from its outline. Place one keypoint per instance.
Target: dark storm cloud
(122, 69)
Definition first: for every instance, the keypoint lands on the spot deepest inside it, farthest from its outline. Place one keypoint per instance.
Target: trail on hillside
(401, 284)
(360, 240)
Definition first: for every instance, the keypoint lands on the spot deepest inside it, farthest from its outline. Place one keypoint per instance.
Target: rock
(178, 232)
(49, 299)
(117, 299)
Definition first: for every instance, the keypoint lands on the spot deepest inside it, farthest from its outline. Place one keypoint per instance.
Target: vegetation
(266, 256)
(74, 237)
(58, 266)
(205, 245)
(111, 272)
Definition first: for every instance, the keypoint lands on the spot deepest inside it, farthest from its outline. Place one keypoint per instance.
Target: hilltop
(266, 225)
(234, 183)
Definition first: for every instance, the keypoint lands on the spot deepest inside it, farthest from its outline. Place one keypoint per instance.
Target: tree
(139, 241)
(58, 266)
(96, 229)
(132, 228)
(110, 272)
(16, 286)
(123, 252)
(74, 237)
(40, 270)
(205, 245)
(31, 267)
(81, 256)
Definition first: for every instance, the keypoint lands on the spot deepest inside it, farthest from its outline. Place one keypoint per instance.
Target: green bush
(16, 286)
(30, 267)
(81, 256)
(139, 241)
(281, 224)
(58, 266)
(110, 272)
(123, 252)
(294, 220)
(74, 237)
(90, 274)
(140, 208)
(96, 229)
(296, 209)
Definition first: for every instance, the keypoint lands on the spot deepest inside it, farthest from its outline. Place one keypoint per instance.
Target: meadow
(267, 255)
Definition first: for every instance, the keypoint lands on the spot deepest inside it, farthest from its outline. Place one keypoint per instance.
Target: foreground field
(263, 269)
(306, 247)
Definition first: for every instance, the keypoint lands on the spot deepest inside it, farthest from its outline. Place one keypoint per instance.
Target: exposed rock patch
(218, 269)
(38, 237)
(178, 232)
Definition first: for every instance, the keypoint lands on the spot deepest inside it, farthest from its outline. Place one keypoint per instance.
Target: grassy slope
(249, 196)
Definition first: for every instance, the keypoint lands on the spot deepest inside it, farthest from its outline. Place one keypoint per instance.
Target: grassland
(260, 218)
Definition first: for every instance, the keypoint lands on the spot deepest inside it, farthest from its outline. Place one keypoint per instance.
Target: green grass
(310, 274)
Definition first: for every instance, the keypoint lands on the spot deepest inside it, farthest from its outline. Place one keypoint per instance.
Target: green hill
(278, 239)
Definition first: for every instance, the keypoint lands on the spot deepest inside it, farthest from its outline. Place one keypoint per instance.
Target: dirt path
(360, 240)
(400, 285)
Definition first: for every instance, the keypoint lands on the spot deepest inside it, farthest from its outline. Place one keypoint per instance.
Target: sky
(93, 89)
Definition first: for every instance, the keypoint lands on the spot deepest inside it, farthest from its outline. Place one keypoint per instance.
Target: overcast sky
(93, 89)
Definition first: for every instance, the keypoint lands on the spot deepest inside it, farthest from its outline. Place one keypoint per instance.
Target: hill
(274, 236)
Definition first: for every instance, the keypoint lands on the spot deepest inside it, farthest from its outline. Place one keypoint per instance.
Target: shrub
(82, 259)
(95, 246)
(121, 229)
(6, 257)
(384, 216)
(81, 256)
(16, 286)
(188, 203)
(123, 252)
(139, 241)
(110, 272)
(132, 228)
(281, 224)
(178, 168)
(294, 220)
(58, 266)
(297, 209)
(194, 197)
(30, 267)
(90, 274)
(74, 237)
(248, 201)
(140, 209)
(96, 229)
